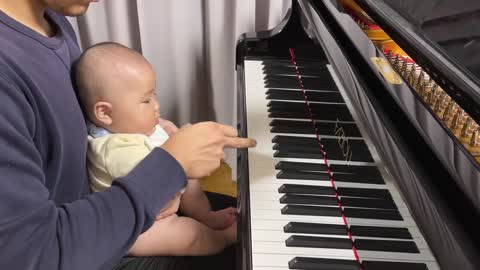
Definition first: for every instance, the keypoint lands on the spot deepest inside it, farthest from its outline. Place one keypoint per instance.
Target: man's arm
(91, 233)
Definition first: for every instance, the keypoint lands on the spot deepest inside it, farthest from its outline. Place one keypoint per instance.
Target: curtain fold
(191, 45)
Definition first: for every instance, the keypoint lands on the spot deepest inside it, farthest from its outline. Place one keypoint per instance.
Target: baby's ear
(103, 112)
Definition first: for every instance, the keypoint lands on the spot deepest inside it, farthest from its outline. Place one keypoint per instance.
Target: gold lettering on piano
(386, 70)
(343, 142)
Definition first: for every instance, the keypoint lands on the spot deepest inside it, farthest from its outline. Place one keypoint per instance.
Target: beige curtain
(191, 44)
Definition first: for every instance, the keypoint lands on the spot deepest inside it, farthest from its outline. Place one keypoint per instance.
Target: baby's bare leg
(195, 204)
(182, 236)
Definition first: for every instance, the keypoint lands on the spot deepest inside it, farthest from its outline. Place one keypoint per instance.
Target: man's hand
(199, 148)
(168, 126)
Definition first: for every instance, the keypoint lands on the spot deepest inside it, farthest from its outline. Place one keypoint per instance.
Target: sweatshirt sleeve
(91, 233)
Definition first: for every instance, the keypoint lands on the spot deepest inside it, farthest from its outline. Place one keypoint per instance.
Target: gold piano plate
(386, 70)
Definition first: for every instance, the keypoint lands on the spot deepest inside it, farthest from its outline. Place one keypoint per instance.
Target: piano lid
(442, 36)
(452, 25)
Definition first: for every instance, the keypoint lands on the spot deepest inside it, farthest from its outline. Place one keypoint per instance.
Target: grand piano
(366, 115)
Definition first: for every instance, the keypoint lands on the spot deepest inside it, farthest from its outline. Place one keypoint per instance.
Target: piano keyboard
(296, 221)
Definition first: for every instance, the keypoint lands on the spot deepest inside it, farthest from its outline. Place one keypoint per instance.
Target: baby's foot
(221, 219)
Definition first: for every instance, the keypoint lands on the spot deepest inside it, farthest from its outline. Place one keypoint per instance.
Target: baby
(116, 87)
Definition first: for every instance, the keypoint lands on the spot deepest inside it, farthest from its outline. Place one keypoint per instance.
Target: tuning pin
(430, 81)
(421, 90)
(396, 60)
(438, 104)
(466, 128)
(456, 120)
(443, 97)
(420, 79)
(404, 68)
(430, 98)
(474, 142)
(411, 77)
(448, 111)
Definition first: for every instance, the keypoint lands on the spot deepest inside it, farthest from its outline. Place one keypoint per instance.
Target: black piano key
(364, 193)
(301, 166)
(345, 243)
(383, 194)
(286, 154)
(301, 63)
(328, 143)
(364, 170)
(306, 127)
(278, 81)
(317, 69)
(330, 116)
(335, 150)
(317, 96)
(315, 108)
(372, 213)
(357, 146)
(369, 203)
(305, 148)
(381, 232)
(290, 70)
(315, 228)
(295, 198)
(292, 130)
(324, 176)
(307, 210)
(323, 78)
(357, 178)
(293, 140)
(366, 231)
(345, 156)
(303, 175)
(318, 242)
(325, 264)
(379, 265)
(387, 245)
(289, 188)
(355, 169)
(308, 199)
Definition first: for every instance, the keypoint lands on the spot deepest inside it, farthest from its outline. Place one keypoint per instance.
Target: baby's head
(116, 87)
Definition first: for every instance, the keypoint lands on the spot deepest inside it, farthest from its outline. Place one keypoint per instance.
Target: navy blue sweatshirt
(48, 219)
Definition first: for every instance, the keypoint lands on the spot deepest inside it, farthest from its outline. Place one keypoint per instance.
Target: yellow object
(220, 181)
(386, 70)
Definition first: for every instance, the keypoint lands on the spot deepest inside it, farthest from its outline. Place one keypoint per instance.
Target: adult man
(46, 219)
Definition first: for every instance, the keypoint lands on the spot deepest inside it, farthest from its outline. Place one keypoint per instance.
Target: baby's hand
(168, 126)
(171, 208)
